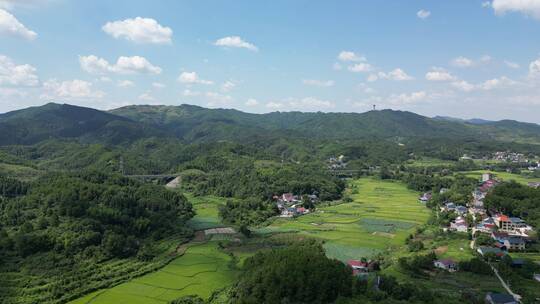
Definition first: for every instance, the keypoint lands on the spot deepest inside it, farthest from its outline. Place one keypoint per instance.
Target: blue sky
(463, 58)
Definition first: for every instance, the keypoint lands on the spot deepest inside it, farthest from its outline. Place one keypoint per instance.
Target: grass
(207, 211)
(505, 176)
(430, 162)
(380, 217)
(20, 171)
(200, 271)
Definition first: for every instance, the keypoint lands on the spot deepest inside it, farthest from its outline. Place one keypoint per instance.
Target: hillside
(35, 124)
(198, 124)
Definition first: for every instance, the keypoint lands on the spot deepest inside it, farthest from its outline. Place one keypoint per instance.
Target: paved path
(516, 296)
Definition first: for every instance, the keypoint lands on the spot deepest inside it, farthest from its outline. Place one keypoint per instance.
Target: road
(516, 296)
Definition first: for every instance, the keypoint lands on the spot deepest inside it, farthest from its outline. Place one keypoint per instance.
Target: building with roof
(514, 243)
(446, 264)
(503, 222)
(500, 298)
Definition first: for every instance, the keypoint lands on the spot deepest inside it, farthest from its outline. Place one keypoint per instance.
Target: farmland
(505, 176)
(381, 215)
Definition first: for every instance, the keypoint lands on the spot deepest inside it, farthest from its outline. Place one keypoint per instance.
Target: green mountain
(187, 121)
(197, 124)
(35, 124)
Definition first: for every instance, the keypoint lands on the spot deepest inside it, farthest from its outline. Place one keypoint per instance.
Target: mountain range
(193, 123)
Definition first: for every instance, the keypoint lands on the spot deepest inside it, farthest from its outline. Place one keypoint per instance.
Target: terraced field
(200, 271)
(381, 216)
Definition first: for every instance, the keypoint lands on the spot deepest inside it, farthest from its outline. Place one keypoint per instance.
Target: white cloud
(192, 78)
(11, 4)
(439, 74)
(350, 56)
(497, 83)
(511, 64)
(70, 89)
(397, 75)
(463, 85)
(486, 59)
(337, 67)
(217, 100)
(423, 14)
(361, 67)
(146, 96)
(252, 102)
(125, 83)
(534, 68)
(235, 42)
(228, 86)
(462, 62)
(486, 4)
(158, 85)
(124, 65)
(309, 103)
(12, 92)
(139, 30)
(190, 93)
(526, 7)
(9, 25)
(318, 83)
(17, 75)
(274, 105)
(403, 99)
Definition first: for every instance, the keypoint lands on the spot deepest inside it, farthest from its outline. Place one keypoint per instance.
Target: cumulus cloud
(125, 83)
(146, 96)
(158, 85)
(9, 25)
(12, 74)
(350, 56)
(423, 14)
(124, 65)
(463, 85)
(252, 102)
(462, 62)
(439, 74)
(511, 64)
(396, 74)
(534, 68)
(274, 105)
(192, 78)
(404, 99)
(235, 42)
(217, 100)
(70, 89)
(228, 86)
(309, 103)
(361, 67)
(497, 83)
(318, 83)
(190, 93)
(139, 30)
(526, 7)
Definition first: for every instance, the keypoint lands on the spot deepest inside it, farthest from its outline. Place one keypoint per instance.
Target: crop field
(207, 209)
(200, 271)
(430, 162)
(380, 217)
(505, 176)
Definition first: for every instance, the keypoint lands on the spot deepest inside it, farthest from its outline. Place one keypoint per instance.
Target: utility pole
(374, 106)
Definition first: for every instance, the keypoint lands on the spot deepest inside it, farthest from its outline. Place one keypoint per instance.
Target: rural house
(446, 264)
(500, 298)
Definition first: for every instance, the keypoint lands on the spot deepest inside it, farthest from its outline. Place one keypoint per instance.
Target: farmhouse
(425, 197)
(461, 210)
(358, 267)
(535, 185)
(459, 225)
(446, 264)
(500, 298)
(514, 243)
(486, 177)
(486, 226)
(448, 207)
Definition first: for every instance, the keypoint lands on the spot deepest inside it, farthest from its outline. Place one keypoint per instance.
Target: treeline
(92, 213)
(514, 199)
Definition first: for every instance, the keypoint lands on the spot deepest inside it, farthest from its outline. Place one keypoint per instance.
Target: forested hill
(35, 124)
(193, 123)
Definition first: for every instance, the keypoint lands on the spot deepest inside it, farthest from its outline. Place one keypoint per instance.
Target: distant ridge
(193, 123)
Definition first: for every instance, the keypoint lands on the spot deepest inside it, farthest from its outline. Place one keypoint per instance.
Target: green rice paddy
(505, 176)
(381, 216)
(200, 271)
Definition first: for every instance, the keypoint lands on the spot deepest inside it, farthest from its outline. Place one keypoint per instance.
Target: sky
(459, 58)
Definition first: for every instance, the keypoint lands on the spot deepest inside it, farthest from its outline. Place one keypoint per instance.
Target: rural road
(516, 296)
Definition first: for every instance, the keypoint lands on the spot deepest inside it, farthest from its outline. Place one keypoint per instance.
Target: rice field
(505, 176)
(380, 217)
(200, 271)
